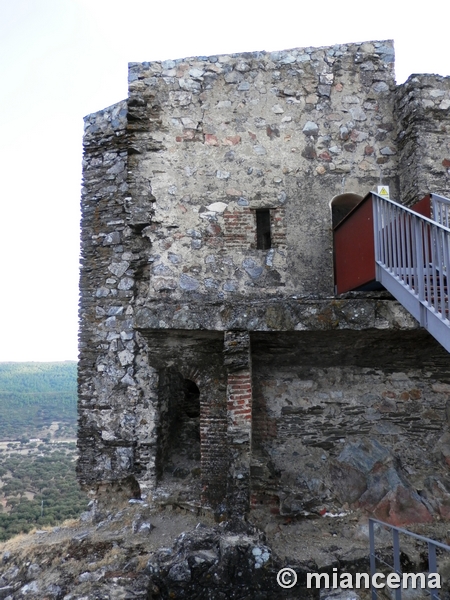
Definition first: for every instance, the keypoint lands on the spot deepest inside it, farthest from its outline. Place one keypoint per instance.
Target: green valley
(38, 419)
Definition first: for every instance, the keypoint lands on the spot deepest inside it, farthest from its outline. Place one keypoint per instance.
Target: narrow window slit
(263, 237)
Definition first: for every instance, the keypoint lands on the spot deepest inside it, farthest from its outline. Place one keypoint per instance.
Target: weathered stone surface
(207, 334)
(420, 117)
(402, 506)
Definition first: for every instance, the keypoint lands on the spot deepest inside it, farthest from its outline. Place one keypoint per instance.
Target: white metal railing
(432, 547)
(412, 255)
(440, 208)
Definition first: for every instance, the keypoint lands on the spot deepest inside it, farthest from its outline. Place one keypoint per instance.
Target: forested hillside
(33, 395)
(38, 485)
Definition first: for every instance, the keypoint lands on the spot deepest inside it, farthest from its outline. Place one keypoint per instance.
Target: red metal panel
(423, 207)
(354, 254)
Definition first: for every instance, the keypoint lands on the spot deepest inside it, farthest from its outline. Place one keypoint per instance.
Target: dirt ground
(104, 551)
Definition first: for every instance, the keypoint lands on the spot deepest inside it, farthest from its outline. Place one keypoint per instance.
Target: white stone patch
(207, 215)
(187, 122)
(437, 93)
(127, 380)
(196, 72)
(223, 104)
(126, 283)
(29, 588)
(288, 59)
(217, 207)
(360, 136)
(261, 556)
(190, 171)
(358, 114)
(259, 150)
(310, 128)
(101, 292)
(336, 515)
(327, 78)
(269, 257)
(189, 84)
(242, 67)
(380, 86)
(118, 269)
(125, 358)
(350, 99)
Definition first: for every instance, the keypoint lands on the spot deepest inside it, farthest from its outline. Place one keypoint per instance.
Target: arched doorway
(341, 205)
(180, 468)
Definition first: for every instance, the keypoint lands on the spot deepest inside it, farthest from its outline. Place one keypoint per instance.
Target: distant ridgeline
(32, 395)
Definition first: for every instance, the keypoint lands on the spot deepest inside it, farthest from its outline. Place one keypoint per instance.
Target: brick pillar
(213, 441)
(237, 360)
(239, 404)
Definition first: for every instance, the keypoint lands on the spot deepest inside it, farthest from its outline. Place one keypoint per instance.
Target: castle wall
(285, 131)
(175, 284)
(334, 431)
(422, 109)
(106, 408)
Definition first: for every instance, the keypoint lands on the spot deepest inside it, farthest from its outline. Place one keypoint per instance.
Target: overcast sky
(63, 59)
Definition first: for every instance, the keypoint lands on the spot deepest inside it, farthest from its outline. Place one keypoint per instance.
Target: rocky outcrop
(367, 475)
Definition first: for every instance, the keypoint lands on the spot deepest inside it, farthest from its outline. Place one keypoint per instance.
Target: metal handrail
(396, 531)
(409, 210)
(415, 251)
(440, 207)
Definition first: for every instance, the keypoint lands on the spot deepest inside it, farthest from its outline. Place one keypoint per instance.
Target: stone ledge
(293, 314)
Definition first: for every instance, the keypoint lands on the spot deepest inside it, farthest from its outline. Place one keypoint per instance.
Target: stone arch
(342, 204)
(196, 356)
(192, 374)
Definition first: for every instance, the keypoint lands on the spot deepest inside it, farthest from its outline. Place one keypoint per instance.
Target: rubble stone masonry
(207, 247)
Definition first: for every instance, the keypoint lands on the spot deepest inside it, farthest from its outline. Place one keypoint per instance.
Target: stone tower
(217, 367)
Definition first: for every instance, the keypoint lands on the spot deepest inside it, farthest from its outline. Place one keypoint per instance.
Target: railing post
(435, 208)
(397, 566)
(372, 557)
(418, 246)
(376, 228)
(432, 567)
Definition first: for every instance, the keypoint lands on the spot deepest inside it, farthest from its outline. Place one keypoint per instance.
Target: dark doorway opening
(181, 469)
(263, 235)
(191, 404)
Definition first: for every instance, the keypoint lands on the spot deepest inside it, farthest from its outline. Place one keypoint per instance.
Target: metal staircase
(412, 257)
